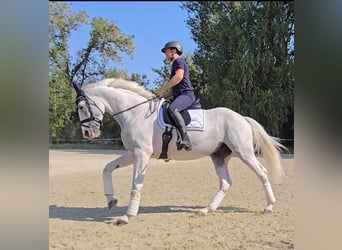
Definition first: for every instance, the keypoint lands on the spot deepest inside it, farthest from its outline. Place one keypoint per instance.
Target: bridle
(87, 100)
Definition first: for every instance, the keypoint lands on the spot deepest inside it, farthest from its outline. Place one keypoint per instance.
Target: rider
(181, 89)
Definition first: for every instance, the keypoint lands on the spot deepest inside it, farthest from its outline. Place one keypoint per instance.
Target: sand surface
(172, 193)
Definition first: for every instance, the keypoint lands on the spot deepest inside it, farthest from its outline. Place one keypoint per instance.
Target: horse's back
(224, 115)
(227, 126)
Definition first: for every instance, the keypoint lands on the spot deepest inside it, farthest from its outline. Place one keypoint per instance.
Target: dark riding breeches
(182, 101)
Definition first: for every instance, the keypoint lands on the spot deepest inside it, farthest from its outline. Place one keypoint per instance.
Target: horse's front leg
(125, 160)
(140, 164)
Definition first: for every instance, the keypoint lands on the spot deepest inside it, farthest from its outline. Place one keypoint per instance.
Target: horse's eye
(80, 107)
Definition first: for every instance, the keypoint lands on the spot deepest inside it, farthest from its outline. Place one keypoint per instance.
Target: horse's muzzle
(91, 133)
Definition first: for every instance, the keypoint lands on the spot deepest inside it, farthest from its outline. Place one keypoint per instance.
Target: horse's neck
(117, 100)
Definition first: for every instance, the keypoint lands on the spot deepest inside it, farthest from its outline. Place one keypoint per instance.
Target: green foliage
(246, 56)
(88, 64)
(244, 60)
(164, 74)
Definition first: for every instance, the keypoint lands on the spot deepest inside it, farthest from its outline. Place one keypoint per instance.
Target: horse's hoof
(201, 213)
(123, 220)
(112, 203)
(268, 210)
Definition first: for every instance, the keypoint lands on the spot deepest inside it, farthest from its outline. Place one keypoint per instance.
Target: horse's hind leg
(220, 159)
(250, 159)
(123, 161)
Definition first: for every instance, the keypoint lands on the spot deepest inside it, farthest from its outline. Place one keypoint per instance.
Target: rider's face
(168, 54)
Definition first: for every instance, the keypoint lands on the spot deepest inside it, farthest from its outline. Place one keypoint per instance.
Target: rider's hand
(159, 93)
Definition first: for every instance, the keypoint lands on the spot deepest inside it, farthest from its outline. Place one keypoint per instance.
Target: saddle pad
(196, 123)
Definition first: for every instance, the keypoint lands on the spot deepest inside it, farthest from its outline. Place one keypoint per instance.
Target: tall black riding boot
(180, 124)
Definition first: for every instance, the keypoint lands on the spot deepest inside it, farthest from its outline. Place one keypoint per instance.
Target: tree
(245, 53)
(88, 64)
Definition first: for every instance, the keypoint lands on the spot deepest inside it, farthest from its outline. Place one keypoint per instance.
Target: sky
(151, 23)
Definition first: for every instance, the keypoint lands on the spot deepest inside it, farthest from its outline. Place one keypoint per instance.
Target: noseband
(86, 99)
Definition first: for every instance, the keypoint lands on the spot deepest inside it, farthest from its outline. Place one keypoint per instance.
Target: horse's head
(90, 113)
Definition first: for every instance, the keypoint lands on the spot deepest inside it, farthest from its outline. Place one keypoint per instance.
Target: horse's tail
(270, 148)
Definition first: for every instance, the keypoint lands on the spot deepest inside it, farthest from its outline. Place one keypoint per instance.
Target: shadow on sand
(99, 214)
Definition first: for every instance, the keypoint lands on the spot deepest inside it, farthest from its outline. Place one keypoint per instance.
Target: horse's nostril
(86, 133)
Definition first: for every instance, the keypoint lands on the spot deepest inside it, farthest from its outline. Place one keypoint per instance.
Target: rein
(134, 106)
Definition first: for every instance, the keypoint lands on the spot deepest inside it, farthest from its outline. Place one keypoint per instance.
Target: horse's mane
(123, 84)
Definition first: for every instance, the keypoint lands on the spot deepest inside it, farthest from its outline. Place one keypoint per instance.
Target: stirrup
(181, 145)
(186, 147)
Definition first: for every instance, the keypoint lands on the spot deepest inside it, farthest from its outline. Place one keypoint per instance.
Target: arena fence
(116, 143)
(101, 143)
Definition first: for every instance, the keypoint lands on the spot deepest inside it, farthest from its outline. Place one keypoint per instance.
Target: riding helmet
(173, 44)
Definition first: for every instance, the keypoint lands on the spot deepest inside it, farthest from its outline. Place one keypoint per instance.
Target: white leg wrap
(108, 184)
(134, 203)
(217, 200)
(109, 197)
(269, 193)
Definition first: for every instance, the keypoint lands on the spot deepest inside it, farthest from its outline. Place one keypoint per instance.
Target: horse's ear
(79, 90)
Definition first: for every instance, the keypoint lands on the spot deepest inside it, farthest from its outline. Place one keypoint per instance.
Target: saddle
(167, 135)
(185, 113)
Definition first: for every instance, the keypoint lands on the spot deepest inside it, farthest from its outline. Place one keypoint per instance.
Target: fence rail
(89, 143)
(117, 143)
(114, 141)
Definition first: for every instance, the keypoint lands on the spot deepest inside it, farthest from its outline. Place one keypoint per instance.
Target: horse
(227, 134)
